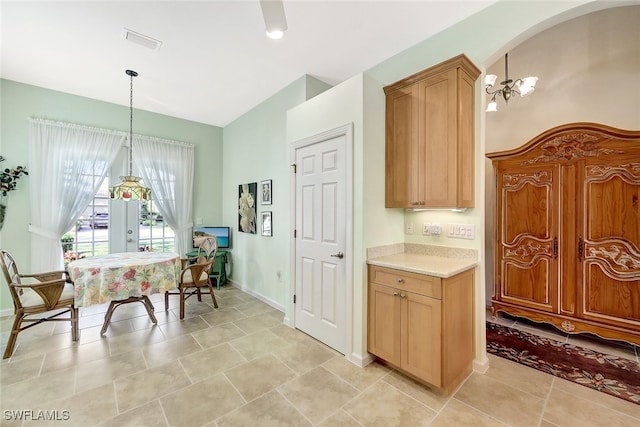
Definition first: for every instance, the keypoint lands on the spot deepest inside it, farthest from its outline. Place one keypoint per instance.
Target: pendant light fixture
(130, 188)
(522, 87)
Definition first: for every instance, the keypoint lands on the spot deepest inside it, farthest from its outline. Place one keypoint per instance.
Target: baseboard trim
(257, 295)
(360, 360)
(481, 365)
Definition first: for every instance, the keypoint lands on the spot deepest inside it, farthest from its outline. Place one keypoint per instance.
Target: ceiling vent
(142, 40)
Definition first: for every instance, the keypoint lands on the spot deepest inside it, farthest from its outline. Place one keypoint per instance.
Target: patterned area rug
(607, 373)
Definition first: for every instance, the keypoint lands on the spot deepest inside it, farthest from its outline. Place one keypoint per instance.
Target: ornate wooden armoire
(567, 230)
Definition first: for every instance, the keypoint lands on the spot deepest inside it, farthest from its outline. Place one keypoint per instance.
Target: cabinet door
(611, 248)
(526, 261)
(384, 323)
(421, 337)
(437, 140)
(401, 155)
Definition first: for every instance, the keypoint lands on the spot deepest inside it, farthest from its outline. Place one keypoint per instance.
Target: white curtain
(167, 168)
(63, 160)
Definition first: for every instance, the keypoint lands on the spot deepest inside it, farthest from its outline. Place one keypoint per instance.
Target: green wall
(19, 102)
(255, 149)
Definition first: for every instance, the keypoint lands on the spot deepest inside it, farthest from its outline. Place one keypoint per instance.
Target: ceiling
(215, 62)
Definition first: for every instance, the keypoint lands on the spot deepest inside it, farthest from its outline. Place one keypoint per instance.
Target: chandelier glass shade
(522, 87)
(130, 187)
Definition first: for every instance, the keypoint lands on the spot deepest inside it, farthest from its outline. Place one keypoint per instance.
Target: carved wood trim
(571, 147)
(586, 139)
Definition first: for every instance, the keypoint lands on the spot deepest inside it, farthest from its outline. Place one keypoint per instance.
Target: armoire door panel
(527, 238)
(529, 285)
(611, 267)
(609, 300)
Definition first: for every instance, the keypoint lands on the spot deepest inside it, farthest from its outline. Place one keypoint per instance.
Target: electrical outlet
(431, 229)
(409, 229)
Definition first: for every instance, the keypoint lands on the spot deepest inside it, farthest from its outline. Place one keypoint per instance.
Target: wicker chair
(195, 275)
(51, 293)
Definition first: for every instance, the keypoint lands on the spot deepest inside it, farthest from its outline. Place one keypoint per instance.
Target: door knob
(338, 255)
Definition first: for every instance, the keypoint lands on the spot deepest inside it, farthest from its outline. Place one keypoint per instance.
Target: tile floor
(240, 366)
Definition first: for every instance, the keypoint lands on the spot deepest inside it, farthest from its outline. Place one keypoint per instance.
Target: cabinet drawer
(410, 282)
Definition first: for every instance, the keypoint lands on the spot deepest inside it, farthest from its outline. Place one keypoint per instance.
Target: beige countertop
(431, 265)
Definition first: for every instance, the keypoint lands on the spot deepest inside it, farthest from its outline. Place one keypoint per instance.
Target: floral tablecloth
(105, 278)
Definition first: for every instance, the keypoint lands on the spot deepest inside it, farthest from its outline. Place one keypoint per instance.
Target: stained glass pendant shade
(131, 187)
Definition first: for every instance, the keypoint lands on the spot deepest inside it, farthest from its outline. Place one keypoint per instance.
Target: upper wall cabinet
(430, 137)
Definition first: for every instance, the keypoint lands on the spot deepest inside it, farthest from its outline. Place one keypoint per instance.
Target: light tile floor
(240, 366)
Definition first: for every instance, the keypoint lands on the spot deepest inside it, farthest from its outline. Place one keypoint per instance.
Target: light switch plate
(409, 228)
(462, 231)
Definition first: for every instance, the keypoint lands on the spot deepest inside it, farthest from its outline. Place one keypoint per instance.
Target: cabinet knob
(402, 295)
(395, 294)
(400, 280)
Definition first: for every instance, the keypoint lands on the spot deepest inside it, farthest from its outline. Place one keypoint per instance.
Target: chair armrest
(50, 291)
(48, 276)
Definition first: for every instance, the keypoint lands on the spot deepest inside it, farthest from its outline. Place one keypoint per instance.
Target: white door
(321, 249)
(123, 236)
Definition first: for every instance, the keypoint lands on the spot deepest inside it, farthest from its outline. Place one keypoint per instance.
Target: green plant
(9, 177)
(67, 242)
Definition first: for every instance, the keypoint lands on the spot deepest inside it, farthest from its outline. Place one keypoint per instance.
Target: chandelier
(522, 87)
(130, 188)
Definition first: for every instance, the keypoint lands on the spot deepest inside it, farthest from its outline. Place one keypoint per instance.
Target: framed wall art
(267, 225)
(266, 191)
(247, 207)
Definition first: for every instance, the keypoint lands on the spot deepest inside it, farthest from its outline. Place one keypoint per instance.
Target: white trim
(481, 365)
(257, 295)
(361, 361)
(347, 132)
(6, 312)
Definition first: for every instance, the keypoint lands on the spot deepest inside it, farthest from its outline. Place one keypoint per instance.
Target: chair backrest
(9, 267)
(208, 248)
(11, 275)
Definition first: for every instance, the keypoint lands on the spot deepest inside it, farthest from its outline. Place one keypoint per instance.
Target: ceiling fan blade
(274, 18)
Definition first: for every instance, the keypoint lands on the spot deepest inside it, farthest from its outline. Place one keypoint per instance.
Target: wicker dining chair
(196, 275)
(48, 292)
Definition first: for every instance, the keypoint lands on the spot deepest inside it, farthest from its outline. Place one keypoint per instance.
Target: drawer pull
(400, 280)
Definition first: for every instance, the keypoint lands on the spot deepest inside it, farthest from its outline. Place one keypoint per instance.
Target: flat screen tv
(222, 235)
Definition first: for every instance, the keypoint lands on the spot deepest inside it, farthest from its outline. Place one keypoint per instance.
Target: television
(222, 235)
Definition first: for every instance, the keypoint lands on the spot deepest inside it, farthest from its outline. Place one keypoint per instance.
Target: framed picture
(265, 190)
(247, 207)
(266, 224)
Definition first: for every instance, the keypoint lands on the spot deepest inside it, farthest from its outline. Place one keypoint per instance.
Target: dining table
(122, 278)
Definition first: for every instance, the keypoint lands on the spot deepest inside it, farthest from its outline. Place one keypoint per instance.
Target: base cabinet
(422, 325)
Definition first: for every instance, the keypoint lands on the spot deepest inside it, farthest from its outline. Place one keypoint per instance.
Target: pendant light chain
(130, 188)
(132, 74)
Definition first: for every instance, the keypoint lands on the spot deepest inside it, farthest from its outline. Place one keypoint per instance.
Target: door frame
(347, 132)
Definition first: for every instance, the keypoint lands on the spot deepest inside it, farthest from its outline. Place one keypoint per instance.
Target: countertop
(431, 265)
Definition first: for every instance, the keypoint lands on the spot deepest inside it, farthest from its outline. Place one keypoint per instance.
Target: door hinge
(295, 168)
(295, 233)
(294, 298)
(555, 248)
